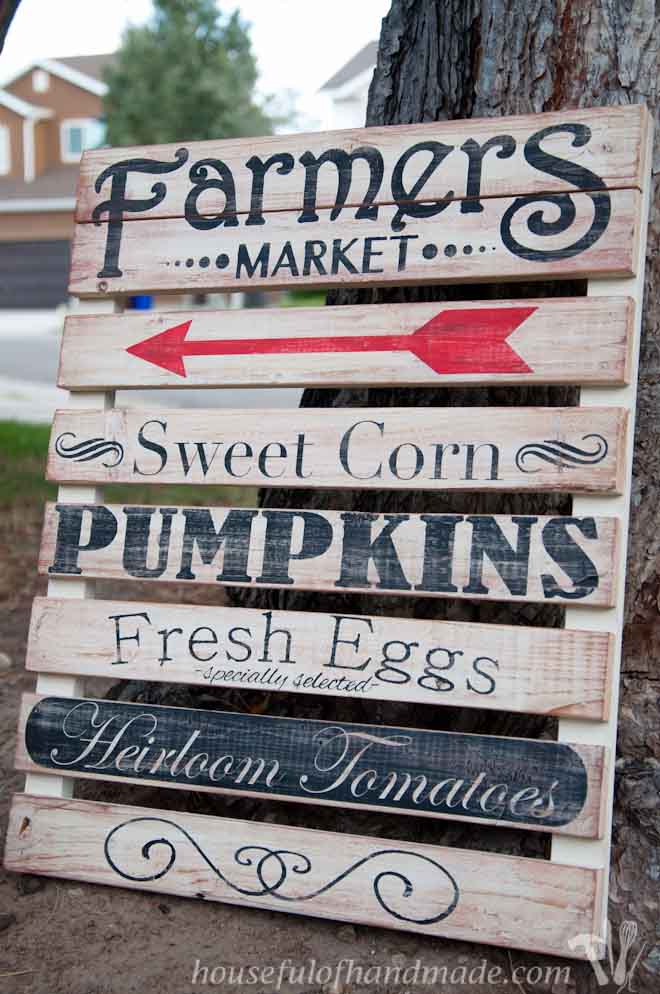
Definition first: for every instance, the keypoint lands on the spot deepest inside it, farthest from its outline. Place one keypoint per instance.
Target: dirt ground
(58, 937)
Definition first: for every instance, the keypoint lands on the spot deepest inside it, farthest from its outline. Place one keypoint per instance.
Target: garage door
(33, 274)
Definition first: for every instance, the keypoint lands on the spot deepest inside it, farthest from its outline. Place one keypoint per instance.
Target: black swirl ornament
(273, 868)
(568, 172)
(88, 449)
(558, 453)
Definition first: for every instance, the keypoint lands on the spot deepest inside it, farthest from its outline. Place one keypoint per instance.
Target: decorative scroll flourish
(272, 868)
(90, 448)
(559, 453)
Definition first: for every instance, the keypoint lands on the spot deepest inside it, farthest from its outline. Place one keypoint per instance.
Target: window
(40, 81)
(5, 150)
(79, 134)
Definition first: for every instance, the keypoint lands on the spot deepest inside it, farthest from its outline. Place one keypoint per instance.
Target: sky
(299, 44)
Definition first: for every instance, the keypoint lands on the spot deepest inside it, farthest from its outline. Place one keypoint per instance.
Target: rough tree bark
(8, 9)
(442, 59)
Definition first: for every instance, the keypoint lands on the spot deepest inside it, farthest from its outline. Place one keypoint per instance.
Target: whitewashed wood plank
(583, 235)
(599, 853)
(530, 670)
(432, 890)
(527, 558)
(599, 148)
(535, 785)
(477, 448)
(571, 340)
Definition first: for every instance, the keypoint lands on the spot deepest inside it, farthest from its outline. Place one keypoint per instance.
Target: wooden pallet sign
(519, 557)
(545, 786)
(433, 890)
(572, 340)
(529, 670)
(539, 449)
(552, 196)
(428, 204)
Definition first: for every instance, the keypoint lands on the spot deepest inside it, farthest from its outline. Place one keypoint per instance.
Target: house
(49, 114)
(346, 92)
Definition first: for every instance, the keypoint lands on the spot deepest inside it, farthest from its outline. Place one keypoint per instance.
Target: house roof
(57, 184)
(85, 71)
(90, 65)
(365, 59)
(22, 107)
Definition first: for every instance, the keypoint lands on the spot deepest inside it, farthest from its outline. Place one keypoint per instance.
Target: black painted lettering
(231, 638)
(405, 198)
(199, 452)
(369, 253)
(511, 564)
(199, 174)
(165, 634)
(344, 447)
(336, 641)
(119, 638)
(265, 456)
(316, 539)
(117, 204)
(286, 260)
(234, 535)
(195, 640)
(269, 634)
(233, 453)
(151, 446)
(103, 528)
(343, 161)
(136, 542)
(244, 262)
(315, 249)
(339, 256)
(439, 552)
(491, 683)
(284, 162)
(475, 152)
(360, 549)
(564, 550)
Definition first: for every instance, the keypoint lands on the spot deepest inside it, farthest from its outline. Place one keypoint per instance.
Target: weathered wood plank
(598, 148)
(529, 670)
(555, 236)
(532, 784)
(432, 890)
(527, 558)
(477, 448)
(572, 340)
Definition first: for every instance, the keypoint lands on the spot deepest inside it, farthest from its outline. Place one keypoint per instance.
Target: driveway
(29, 354)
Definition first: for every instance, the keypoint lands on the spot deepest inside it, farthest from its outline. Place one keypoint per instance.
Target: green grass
(23, 449)
(303, 298)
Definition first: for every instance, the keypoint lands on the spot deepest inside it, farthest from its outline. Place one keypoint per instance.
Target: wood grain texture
(532, 670)
(572, 340)
(483, 897)
(535, 785)
(526, 558)
(583, 235)
(611, 152)
(476, 448)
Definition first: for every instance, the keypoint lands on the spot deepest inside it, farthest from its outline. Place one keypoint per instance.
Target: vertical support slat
(596, 852)
(48, 683)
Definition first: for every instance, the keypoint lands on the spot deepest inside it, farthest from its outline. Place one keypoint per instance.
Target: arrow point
(166, 349)
(471, 340)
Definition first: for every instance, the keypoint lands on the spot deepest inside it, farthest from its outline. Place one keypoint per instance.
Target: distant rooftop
(365, 59)
(91, 65)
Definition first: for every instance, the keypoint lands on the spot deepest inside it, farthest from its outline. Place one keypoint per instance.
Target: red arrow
(465, 340)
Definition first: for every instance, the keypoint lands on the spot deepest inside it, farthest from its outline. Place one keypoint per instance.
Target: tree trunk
(8, 9)
(441, 59)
